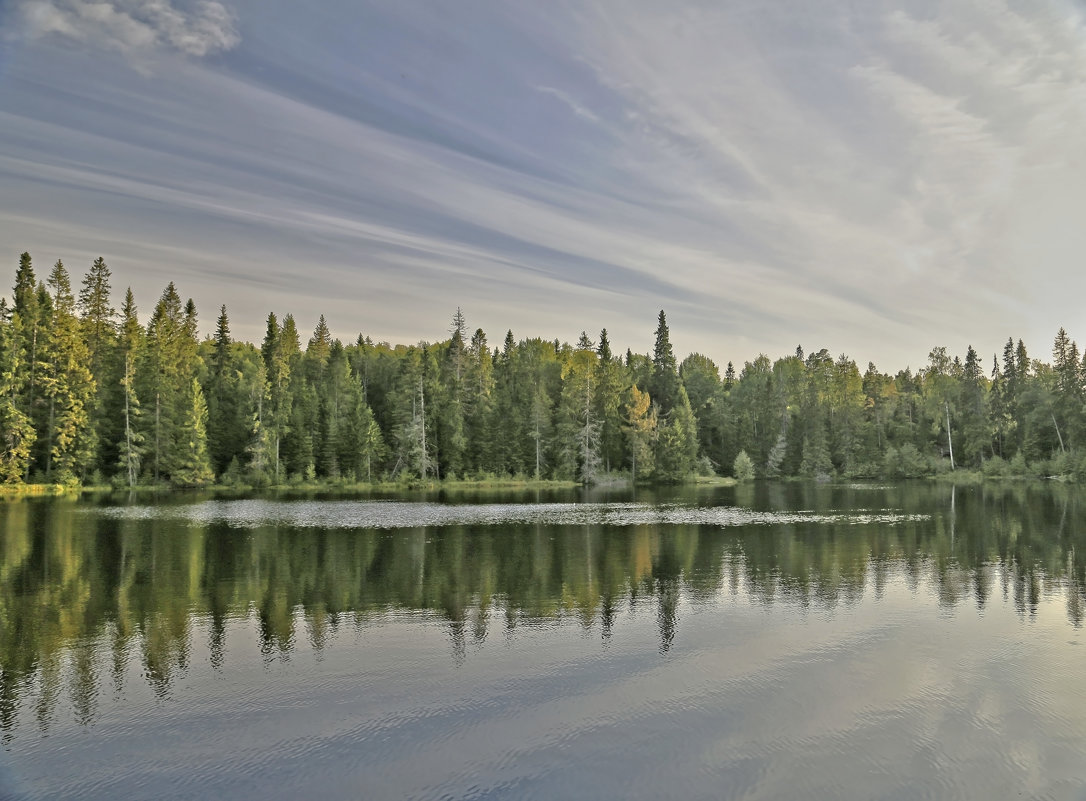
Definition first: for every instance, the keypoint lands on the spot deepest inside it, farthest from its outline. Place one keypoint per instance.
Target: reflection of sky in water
(398, 514)
(887, 698)
(915, 656)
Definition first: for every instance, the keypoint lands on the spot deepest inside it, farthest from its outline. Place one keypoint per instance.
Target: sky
(874, 178)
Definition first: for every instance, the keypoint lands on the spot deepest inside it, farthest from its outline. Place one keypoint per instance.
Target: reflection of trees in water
(83, 596)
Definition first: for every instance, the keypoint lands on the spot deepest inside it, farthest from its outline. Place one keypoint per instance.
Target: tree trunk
(949, 441)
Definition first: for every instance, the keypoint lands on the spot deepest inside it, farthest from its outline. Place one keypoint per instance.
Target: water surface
(768, 641)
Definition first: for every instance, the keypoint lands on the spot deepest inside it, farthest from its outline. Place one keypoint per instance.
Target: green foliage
(193, 468)
(743, 467)
(16, 438)
(677, 443)
(83, 391)
(905, 462)
(640, 427)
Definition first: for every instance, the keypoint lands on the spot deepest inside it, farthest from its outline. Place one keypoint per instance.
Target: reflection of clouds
(397, 514)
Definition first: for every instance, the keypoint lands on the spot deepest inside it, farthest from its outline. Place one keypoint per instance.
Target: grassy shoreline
(49, 490)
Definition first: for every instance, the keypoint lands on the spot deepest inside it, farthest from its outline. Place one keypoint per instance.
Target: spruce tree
(640, 426)
(68, 385)
(30, 316)
(578, 429)
(479, 388)
(677, 442)
(227, 428)
(98, 316)
(664, 382)
(611, 381)
(16, 430)
(191, 463)
(129, 448)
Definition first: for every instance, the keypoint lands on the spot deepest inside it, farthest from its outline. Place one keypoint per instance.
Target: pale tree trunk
(949, 441)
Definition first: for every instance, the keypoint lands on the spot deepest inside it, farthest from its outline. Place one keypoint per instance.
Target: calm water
(770, 641)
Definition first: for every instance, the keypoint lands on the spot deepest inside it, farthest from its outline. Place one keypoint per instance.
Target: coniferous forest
(89, 394)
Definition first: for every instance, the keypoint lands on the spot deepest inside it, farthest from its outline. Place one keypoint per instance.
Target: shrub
(995, 467)
(743, 467)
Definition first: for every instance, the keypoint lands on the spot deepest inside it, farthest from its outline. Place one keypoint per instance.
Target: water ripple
(400, 514)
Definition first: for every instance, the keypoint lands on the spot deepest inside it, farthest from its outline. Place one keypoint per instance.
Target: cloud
(867, 178)
(574, 106)
(135, 27)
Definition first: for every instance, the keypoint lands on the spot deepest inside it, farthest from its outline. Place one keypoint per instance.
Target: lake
(765, 641)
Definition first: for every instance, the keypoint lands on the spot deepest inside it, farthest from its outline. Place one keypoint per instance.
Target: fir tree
(68, 385)
(129, 449)
(227, 429)
(16, 430)
(664, 383)
(640, 428)
(98, 316)
(193, 465)
(677, 442)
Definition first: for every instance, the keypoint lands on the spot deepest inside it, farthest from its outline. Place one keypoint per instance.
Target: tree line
(90, 394)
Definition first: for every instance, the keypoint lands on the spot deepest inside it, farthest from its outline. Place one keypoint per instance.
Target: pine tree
(610, 382)
(677, 442)
(701, 379)
(129, 449)
(192, 467)
(281, 351)
(227, 431)
(1069, 390)
(664, 384)
(577, 429)
(816, 461)
(30, 316)
(478, 394)
(503, 425)
(99, 328)
(16, 430)
(171, 361)
(160, 377)
(414, 445)
(973, 411)
(450, 402)
(371, 444)
(68, 385)
(98, 316)
(604, 348)
(640, 428)
(457, 346)
(297, 414)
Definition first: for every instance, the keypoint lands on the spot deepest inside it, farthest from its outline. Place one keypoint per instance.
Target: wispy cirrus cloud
(872, 178)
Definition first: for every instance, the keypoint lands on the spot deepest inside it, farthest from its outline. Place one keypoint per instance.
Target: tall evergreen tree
(611, 381)
(30, 316)
(68, 385)
(664, 384)
(228, 427)
(677, 442)
(16, 430)
(129, 448)
(478, 395)
(98, 316)
(640, 429)
(190, 463)
(578, 430)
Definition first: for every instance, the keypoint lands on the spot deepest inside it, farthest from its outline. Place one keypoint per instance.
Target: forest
(90, 395)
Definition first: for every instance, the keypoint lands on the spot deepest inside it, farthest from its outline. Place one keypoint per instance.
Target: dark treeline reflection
(82, 594)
